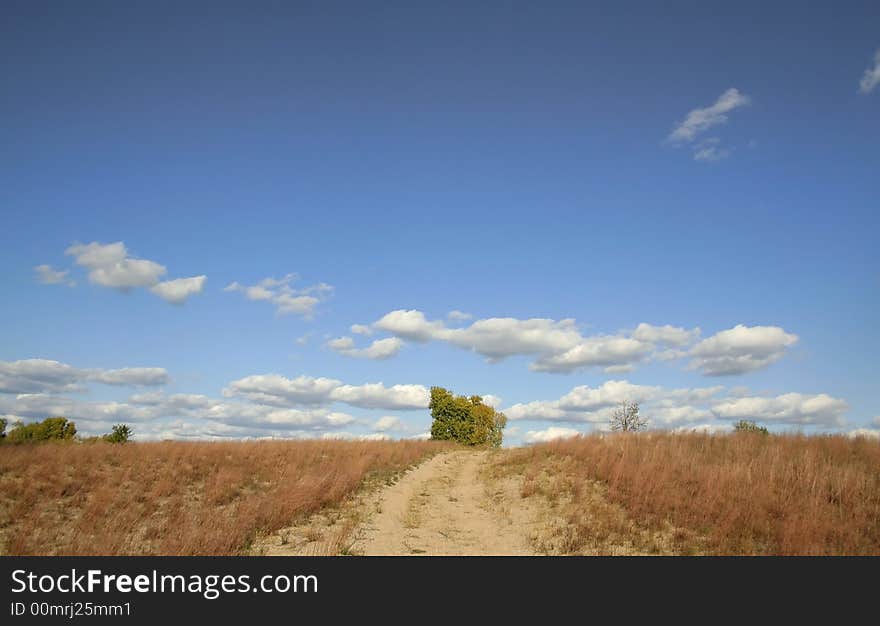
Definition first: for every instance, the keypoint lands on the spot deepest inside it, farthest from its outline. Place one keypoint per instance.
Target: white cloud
(276, 390)
(709, 151)
(110, 265)
(458, 316)
(710, 429)
(43, 375)
(558, 346)
(701, 119)
(550, 434)
(410, 325)
(387, 422)
(871, 77)
(610, 352)
(673, 407)
(47, 275)
(378, 350)
(490, 400)
(741, 349)
(789, 408)
(178, 290)
(280, 292)
(377, 396)
(668, 335)
(876, 421)
(361, 329)
(867, 433)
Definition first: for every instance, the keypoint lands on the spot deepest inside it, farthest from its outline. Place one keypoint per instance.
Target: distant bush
(120, 434)
(465, 420)
(2, 428)
(51, 428)
(746, 426)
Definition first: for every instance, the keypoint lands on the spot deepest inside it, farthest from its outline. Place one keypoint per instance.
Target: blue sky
(695, 166)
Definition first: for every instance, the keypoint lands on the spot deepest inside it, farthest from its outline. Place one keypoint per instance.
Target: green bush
(121, 433)
(51, 428)
(465, 420)
(746, 426)
(2, 427)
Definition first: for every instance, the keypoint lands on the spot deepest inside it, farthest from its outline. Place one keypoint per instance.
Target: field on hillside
(739, 494)
(178, 498)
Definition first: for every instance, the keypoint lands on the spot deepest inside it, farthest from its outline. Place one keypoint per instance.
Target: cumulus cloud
(286, 299)
(550, 434)
(741, 349)
(378, 350)
(46, 376)
(789, 408)
(491, 400)
(387, 422)
(682, 406)
(871, 77)
(557, 345)
(701, 119)
(111, 265)
(47, 275)
(361, 329)
(178, 290)
(276, 390)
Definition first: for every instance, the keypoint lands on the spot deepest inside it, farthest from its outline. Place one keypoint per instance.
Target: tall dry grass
(177, 498)
(724, 494)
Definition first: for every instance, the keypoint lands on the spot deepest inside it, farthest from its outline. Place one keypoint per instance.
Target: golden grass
(178, 498)
(720, 494)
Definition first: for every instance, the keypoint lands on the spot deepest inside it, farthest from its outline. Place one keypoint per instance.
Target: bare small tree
(626, 417)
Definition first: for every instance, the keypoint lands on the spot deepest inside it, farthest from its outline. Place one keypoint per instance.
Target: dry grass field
(177, 498)
(741, 494)
(647, 493)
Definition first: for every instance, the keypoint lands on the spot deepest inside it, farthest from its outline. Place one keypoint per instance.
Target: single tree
(626, 417)
(120, 434)
(465, 420)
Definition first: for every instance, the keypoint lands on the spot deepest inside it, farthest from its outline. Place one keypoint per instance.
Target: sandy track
(442, 508)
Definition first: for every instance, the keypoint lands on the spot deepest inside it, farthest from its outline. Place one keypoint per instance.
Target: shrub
(465, 420)
(120, 434)
(51, 428)
(2, 427)
(746, 426)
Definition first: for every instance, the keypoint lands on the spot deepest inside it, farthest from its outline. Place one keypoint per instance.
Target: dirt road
(444, 507)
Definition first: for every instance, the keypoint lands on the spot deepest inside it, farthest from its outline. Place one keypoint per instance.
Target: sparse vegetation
(178, 498)
(746, 426)
(714, 494)
(467, 421)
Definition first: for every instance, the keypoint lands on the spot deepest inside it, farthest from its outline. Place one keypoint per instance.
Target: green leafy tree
(747, 426)
(465, 420)
(3, 427)
(120, 434)
(51, 428)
